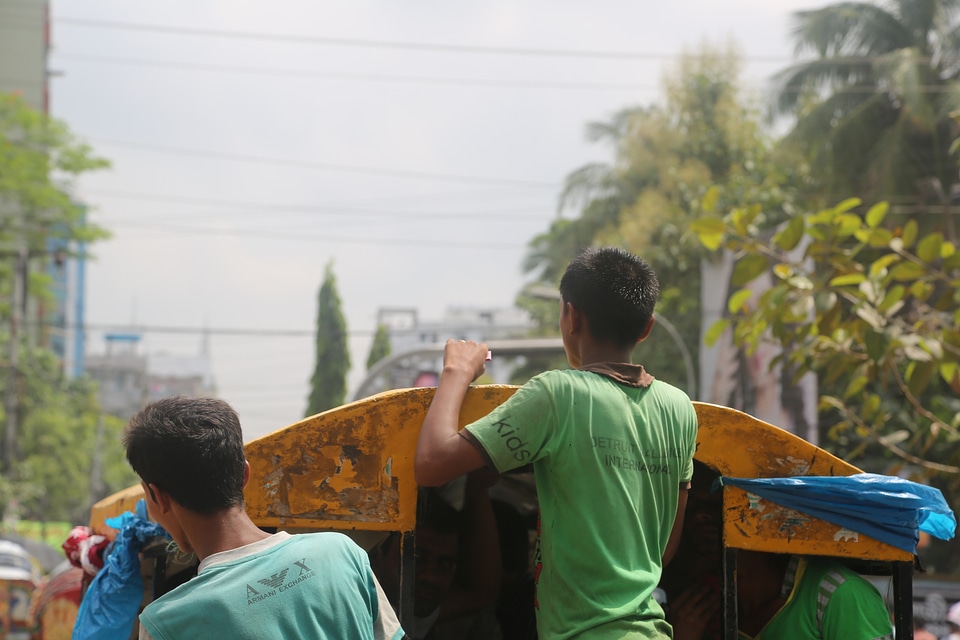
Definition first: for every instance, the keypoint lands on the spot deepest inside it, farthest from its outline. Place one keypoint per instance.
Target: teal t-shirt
(317, 586)
(608, 460)
(827, 601)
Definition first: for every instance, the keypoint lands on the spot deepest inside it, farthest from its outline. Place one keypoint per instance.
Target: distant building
(56, 325)
(409, 333)
(24, 43)
(59, 321)
(129, 380)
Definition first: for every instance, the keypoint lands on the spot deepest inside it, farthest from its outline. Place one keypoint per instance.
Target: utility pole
(12, 405)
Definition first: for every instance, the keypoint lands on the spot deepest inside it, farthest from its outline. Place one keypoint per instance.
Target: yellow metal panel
(738, 445)
(347, 468)
(113, 506)
(350, 467)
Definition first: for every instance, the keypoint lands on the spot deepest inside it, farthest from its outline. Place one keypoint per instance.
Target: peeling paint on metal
(846, 535)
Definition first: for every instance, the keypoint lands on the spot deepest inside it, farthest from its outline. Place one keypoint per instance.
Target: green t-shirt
(608, 460)
(827, 601)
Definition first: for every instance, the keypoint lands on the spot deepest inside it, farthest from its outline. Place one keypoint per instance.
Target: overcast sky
(418, 145)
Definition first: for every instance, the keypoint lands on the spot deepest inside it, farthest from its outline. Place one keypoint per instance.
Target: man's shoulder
(332, 542)
(829, 574)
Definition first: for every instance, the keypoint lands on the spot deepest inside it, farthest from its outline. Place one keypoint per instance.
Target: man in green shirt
(611, 448)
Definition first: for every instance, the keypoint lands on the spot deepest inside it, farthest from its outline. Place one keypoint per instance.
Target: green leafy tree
(39, 161)
(873, 311)
(328, 385)
(873, 106)
(666, 157)
(380, 348)
(54, 416)
(50, 480)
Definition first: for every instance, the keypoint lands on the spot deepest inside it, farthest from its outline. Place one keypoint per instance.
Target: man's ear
(160, 497)
(246, 473)
(647, 331)
(577, 320)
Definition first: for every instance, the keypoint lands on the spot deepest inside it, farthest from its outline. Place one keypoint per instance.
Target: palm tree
(873, 109)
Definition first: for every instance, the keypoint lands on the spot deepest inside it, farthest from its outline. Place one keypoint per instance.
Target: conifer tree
(328, 385)
(380, 348)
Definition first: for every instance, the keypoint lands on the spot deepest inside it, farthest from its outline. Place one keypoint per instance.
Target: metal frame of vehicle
(351, 469)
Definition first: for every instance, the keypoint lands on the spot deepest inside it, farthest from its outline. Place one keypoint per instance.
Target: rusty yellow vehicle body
(351, 469)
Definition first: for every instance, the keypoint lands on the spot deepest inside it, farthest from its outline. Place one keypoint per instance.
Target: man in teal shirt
(251, 585)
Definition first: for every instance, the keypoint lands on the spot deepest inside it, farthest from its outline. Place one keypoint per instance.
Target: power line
(452, 81)
(213, 331)
(384, 44)
(326, 210)
(266, 235)
(509, 215)
(420, 198)
(368, 77)
(327, 166)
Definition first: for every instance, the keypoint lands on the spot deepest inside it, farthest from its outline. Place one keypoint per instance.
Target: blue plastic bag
(112, 601)
(887, 508)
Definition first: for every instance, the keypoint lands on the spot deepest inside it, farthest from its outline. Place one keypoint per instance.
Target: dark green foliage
(704, 145)
(50, 480)
(380, 348)
(328, 385)
(873, 106)
(54, 434)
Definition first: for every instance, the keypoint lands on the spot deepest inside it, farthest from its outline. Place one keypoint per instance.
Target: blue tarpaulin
(111, 603)
(886, 508)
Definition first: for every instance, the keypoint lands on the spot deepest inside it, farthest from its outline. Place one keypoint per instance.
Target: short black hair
(434, 512)
(616, 291)
(192, 448)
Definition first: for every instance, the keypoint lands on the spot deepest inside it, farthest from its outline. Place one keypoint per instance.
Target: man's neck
(222, 531)
(594, 353)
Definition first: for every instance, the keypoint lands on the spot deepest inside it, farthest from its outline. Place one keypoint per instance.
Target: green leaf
(928, 249)
(791, 234)
(738, 299)
(893, 296)
(782, 270)
(749, 268)
(909, 235)
(715, 331)
(871, 405)
(802, 283)
(919, 376)
(949, 371)
(847, 280)
(947, 250)
(880, 238)
(876, 214)
(855, 386)
(880, 264)
(848, 224)
(710, 198)
(907, 271)
(710, 231)
(708, 225)
(825, 301)
(876, 344)
(847, 205)
(921, 290)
